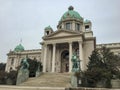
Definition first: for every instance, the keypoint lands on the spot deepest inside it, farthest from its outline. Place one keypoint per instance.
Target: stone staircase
(49, 80)
(12, 87)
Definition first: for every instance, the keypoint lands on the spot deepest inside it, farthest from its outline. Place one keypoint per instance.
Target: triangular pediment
(62, 33)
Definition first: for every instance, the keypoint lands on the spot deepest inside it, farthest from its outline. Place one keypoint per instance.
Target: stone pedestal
(23, 75)
(38, 74)
(115, 83)
(73, 80)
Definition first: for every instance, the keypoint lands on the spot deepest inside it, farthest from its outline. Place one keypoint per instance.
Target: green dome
(19, 48)
(48, 28)
(87, 21)
(71, 14)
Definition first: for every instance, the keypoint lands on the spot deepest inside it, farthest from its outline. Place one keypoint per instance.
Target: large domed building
(73, 35)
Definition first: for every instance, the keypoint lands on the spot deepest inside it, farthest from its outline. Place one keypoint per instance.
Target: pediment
(62, 33)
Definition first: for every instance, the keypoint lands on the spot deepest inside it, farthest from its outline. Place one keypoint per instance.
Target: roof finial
(71, 8)
(20, 40)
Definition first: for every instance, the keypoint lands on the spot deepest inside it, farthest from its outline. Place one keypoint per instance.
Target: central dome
(71, 14)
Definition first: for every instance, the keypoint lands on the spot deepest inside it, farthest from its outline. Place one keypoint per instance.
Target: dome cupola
(87, 21)
(19, 48)
(71, 14)
(48, 30)
(71, 20)
(87, 24)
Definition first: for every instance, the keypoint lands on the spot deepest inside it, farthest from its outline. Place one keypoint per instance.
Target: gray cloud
(27, 19)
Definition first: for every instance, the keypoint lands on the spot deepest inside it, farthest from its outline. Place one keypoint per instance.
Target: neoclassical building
(15, 57)
(73, 35)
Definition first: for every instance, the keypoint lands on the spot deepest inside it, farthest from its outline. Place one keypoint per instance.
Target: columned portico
(53, 58)
(58, 46)
(81, 55)
(45, 57)
(70, 56)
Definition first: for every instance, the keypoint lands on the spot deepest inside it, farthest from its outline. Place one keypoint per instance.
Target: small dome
(48, 28)
(71, 14)
(19, 48)
(87, 21)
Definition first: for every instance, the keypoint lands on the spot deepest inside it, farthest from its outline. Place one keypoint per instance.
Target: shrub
(3, 76)
(101, 68)
(13, 76)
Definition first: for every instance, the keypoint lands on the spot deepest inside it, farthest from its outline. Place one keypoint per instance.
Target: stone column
(45, 57)
(73, 25)
(70, 56)
(53, 58)
(81, 55)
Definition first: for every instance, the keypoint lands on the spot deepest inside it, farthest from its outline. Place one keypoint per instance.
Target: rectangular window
(68, 26)
(77, 27)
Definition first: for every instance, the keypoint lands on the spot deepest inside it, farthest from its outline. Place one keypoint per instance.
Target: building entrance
(65, 61)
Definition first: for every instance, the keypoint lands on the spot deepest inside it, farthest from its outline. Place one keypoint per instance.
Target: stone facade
(114, 47)
(73, 35)
(14, 58)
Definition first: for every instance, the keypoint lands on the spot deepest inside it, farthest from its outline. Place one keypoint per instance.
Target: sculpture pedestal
(73, 80)
(115, 83)
(38, 74)
(23, 75)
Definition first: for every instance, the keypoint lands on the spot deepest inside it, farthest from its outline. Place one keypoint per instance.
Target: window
(60, 27)
(12, 61)
(68, 26)
(47, 32)
(11, 68)
(77, 27)
(87, 27)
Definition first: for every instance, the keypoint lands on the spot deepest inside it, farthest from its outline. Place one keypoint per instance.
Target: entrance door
(65, 61)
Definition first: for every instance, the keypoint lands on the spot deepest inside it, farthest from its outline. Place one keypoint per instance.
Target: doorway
(65, 61)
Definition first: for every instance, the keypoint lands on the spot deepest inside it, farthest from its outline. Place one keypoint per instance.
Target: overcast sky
(26, 20)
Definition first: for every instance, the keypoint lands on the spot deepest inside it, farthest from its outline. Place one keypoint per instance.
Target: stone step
(30, 88)
(6, 87)
(49, 80)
